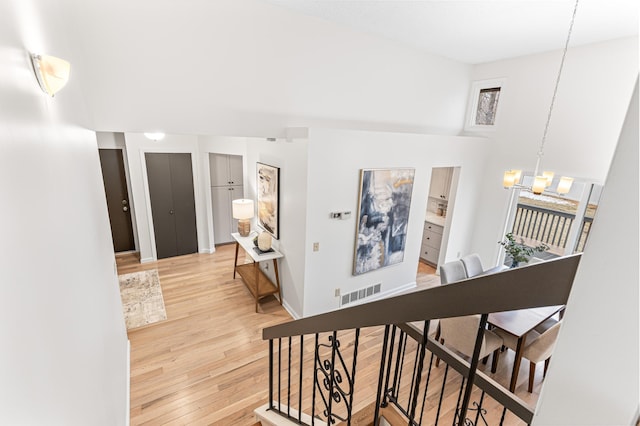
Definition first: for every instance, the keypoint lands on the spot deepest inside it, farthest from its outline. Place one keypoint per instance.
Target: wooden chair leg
(442, 342)
(546, 365)
(532, 375)
(485, 359)
(494, 363)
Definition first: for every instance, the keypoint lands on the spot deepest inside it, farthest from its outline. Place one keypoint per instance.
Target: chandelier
(542, 181)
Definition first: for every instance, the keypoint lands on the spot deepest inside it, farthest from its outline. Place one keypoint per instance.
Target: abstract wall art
(383, 218)
(268, 198)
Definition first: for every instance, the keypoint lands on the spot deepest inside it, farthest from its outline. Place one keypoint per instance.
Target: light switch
(316, 246)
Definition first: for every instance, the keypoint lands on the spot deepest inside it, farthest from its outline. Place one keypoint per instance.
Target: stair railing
(327, 392)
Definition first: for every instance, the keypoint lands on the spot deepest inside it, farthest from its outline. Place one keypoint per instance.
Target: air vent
(360, 294)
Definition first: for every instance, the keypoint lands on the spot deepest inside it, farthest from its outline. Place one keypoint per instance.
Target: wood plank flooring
(207, 363)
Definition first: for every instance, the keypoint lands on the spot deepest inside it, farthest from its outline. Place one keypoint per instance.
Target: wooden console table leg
(235, 263)
(257, 270)
(275, 269)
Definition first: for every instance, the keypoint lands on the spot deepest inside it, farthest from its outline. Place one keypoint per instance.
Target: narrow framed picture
(383, 218)
(268, 187)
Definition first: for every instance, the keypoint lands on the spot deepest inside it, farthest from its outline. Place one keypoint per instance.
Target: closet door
(172, 203)
(184, 203)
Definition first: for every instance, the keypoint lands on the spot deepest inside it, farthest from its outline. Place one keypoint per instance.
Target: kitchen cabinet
(440, 182)
(431, 241)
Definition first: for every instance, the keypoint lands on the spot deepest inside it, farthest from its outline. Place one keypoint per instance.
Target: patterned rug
(142, 300)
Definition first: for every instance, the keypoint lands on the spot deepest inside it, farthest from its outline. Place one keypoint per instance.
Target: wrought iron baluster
(300, 382)
(271, 373)
(332, 376)
(426, 387)
(413, 379)
(474, 366)
(376, 420)
(444, 382)
(384, 402)
(279, 373)
(422, 347)
(353, 376)
(455, 416)
(289, 380)
(397, 378)
(316, 360)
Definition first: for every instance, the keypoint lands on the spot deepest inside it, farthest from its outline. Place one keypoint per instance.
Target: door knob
(125, 208)
(124, 202)
(170, 211)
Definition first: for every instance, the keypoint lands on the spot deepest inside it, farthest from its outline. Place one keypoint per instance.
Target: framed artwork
(383, 218)
(269, 198)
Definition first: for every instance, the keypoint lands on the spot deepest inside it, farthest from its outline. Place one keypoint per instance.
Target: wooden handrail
(541, 284)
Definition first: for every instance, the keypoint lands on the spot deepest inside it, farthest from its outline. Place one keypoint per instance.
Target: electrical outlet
(266, 266)
(336, 292)
(316, 246)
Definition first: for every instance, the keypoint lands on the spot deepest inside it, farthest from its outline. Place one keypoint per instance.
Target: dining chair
(459, 333)
(452, 271)
(539, 347)
(472, 265)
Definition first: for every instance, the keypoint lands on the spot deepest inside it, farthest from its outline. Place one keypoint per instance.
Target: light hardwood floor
(207, 363)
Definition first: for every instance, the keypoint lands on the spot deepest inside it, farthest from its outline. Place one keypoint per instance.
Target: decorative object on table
(242, 209)
(268, 198)
(142, 301)
(262, 243)
(542, 182)
(383, 218)
(519, 251)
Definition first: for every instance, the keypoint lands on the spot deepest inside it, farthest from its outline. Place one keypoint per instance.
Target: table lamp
(242, 209)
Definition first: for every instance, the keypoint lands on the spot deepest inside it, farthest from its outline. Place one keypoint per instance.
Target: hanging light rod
(541, 182)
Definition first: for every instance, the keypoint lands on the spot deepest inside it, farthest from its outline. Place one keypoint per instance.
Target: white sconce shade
(242, 209)
(549, 177)
(154, 136)
(52, 73)
(518, 174)
(564, 186)
(539, 185)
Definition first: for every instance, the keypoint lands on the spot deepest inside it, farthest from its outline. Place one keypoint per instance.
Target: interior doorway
(117, 194)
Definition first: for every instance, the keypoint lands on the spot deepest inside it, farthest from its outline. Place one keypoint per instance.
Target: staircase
(315, 362)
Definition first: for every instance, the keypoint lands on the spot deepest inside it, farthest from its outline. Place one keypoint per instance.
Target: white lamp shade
(509, 179)
(564, 186)
(52, 73)
(242, 209)
(549, 177)
(539, 185)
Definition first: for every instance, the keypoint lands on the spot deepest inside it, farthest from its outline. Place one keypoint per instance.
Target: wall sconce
(242, 209)
(52, 73)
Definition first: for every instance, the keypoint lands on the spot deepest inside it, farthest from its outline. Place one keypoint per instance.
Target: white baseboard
(207, 250)
(147, 260)
(270, 418)
(291, 311)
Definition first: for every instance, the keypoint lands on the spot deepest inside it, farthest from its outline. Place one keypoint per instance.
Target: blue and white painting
(383, 218)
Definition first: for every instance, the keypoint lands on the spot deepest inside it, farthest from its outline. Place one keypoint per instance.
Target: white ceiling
(479, 31)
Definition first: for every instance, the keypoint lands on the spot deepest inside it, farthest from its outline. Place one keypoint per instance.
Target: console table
(256, 281)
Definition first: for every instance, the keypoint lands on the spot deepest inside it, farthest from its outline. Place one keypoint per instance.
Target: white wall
(593, 376)
(291, 158)
(595, 88)
(249, 68)
(137, 145)
(335, 160)
(64, 344)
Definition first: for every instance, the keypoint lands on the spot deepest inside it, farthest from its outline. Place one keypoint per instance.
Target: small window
(484, 98)
(487, 106)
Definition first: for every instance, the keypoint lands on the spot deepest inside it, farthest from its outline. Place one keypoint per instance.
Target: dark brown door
(115, 187)
(170, 179)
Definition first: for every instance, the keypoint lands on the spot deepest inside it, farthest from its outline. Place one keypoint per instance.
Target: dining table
(519, 323)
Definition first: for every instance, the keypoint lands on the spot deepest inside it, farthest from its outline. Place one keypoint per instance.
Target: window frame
(472, 107)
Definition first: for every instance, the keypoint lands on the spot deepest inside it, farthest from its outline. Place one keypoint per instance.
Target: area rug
(142, 300)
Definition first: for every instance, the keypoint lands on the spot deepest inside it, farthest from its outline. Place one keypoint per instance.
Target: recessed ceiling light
(154, 136)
